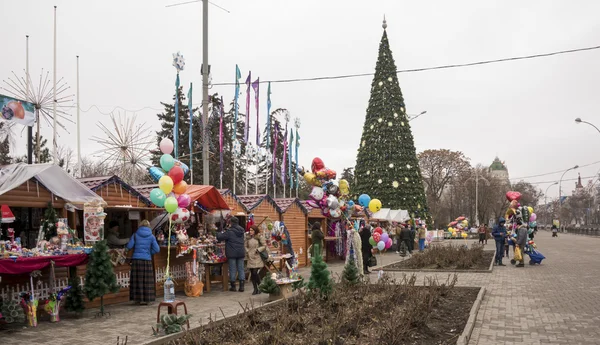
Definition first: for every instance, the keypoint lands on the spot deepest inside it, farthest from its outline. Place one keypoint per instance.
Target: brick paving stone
(555, 303)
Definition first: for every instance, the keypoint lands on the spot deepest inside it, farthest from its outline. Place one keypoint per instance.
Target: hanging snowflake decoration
(178, 62)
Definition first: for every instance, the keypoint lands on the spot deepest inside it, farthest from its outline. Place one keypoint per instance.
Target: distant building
(499, 170)
(578, 184)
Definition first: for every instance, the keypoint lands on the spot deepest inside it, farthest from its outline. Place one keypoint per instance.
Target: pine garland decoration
(387, 167)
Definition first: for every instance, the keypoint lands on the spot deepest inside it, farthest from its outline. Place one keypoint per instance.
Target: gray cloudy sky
(522, 111)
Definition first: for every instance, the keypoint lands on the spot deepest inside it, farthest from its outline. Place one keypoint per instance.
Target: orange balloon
(180, 188)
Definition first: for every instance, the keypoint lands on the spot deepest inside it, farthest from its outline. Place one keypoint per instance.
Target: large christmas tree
(386, 166)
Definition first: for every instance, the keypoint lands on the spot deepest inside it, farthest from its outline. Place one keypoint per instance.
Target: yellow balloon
(464, 235)
(530, 209)
(165, 184)
(451, 229)
(344, 187)
(312, 179)
(375, 205)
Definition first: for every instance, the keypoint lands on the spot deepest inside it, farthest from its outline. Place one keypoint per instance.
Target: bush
(268, 285)
(458, 257)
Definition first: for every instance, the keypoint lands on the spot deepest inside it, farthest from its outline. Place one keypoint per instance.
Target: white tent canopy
(399, 216)
(53, 177)
(382, 214)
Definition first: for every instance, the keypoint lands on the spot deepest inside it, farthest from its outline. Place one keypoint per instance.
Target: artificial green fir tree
(320, 283)
(387, 167)
(350, 274)
(100, 278)
(49, 223)
(268, 285)
(74, 300)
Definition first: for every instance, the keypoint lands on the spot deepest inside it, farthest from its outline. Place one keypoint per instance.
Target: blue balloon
(185, 168)
(350, 204)
(364, 201)
(156, 173)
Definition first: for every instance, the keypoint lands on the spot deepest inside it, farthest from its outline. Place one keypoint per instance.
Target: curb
(466, 334)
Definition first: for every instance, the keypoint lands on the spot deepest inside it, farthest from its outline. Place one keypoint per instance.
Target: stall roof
(399, 216)
(285, 203)
(252, 201)
(95, 183)
(51, 176)
(207, 196)
(383, 214)
(224, 192)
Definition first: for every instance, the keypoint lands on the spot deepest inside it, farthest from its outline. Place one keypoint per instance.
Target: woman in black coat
(365, 235)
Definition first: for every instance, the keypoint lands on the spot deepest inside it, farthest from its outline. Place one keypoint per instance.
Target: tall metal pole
(205, 167)
(54, 143)
(78, 124)
(476, 197)
(27, 98)
(560, 188)
(546, 201)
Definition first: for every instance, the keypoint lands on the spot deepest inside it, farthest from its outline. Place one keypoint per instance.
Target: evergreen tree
(44, 152)
(387, 167)
(350, 274)
(100, 278)
(5, 152)
(320, 283)
(74, 300)
(268, 285)
(49, 222)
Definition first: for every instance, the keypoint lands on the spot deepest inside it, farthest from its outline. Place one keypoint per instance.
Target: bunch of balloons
(459, 224)
(332, 197)
(380, 239)
(517, 213)
(170, 193)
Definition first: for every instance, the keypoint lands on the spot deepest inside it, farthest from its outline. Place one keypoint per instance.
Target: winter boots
(241, 289)
(256, 289)
(232, 284)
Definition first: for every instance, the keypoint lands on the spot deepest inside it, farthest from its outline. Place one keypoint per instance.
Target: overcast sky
(522, 111)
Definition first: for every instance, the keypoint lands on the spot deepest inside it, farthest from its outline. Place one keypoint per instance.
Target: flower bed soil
(383, 313)
(450, 258)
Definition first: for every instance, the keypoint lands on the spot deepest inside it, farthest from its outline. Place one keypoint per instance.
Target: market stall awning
(208, 197)
(399, 216)
(7, 215)
(383, 214)
(53, 177)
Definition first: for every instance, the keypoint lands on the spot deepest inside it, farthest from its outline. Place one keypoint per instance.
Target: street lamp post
(560, 187)
(477, 177)
(546, 201)
(579, 120)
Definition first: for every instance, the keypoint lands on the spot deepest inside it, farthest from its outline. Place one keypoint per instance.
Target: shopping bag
(518, 254)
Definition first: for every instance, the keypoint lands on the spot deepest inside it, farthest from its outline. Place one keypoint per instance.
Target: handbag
(372, 261)
(518, 254)
(263, 255)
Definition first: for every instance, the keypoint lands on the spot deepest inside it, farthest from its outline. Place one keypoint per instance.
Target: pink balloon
(166, 146)
(388, 243)
(184, 200)
(532, 217)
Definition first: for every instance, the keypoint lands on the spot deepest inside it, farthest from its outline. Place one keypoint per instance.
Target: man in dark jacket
(405, 237)
(235, 252)
(499, 234)
(413, 233)
(365, 235)
(522, 242)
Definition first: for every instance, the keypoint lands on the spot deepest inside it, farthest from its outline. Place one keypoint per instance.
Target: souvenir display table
(24, 265)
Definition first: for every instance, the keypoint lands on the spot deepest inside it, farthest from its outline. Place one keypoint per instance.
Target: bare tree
(66, 159)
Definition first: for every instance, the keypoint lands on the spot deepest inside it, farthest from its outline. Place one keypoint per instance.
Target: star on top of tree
(178, 61)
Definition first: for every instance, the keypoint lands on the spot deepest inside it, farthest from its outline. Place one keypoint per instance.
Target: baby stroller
(535, 257)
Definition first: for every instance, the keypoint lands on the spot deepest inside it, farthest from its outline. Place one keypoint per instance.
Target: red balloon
(379, 231)
(377, 237)
(511, 196)
(176, 173)
(317, 164)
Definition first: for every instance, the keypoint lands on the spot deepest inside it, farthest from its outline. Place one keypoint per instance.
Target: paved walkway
(555, 303)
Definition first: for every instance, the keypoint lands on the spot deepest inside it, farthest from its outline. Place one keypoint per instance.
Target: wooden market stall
(295, 217)
(314, 216)
(238, 209)
(32, 187)
(262, 207)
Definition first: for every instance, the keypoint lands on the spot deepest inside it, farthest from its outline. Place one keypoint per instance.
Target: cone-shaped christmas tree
(350, 274)
(74, 300)
(386, 166)
(320, 283)
(100, 277)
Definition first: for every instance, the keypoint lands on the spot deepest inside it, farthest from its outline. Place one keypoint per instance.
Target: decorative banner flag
(18, 111)
(236, 106)
(191, 111)
(275, 152)
(247, 128)
(256, 94)
(284, 160)
(221, 141)
(297, 144)
(290, 160)
(176, 127)
(268, 145)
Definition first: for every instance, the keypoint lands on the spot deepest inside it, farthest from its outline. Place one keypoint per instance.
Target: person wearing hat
(235, 251)
(365, 235)
(499, 234)
(112, 236)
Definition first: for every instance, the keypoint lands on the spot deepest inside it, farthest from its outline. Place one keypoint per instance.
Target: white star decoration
(178, 62)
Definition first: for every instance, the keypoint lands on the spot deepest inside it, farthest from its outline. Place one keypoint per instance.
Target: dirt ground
(475, 261)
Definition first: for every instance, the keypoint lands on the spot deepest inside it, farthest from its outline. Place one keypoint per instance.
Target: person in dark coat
(365, 235)
(142, 284)
(405, 237)
(235, 251)
(316, 237)
(522, 242)
(499, 234)
(411, 244)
